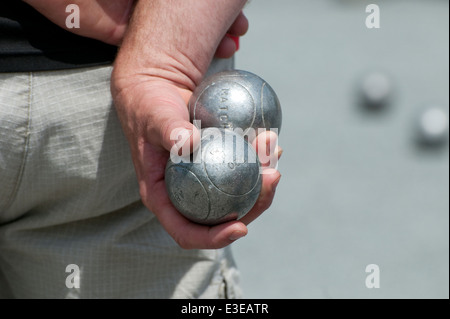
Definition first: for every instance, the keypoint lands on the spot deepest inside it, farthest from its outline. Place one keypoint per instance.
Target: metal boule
(220, 182)
(236, 100)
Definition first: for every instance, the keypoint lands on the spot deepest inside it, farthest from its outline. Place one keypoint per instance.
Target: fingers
(189, 235)
(269, 184)
(228, 46)
(240, 26)
(266, 146)
(269, 153)
(226, 49)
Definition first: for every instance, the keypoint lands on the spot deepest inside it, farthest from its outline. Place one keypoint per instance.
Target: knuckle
(264, 203)
(182, 243)
(144, 197)
(142, 194)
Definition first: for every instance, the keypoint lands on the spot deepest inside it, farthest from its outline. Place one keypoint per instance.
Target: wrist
(175, 40)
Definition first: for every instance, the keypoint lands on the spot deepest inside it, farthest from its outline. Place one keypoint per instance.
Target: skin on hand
(227, 47)
(107, 20)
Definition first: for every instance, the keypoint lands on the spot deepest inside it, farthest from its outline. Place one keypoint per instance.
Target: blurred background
(366, 156)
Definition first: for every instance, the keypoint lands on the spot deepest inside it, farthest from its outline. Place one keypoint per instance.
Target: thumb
(179, 137)
(170, 127)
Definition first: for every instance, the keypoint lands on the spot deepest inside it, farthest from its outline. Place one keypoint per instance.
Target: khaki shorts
(71, 221)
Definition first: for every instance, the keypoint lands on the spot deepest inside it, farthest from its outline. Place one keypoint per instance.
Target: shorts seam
(26, 145)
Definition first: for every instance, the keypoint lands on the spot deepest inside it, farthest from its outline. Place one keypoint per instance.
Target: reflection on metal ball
(432, 126)
(221, 182)
(236, 99)
(376, 90)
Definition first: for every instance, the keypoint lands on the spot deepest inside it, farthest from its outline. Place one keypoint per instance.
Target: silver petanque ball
(433, 126)
(376, 90)
(236, 99)
(219, 183)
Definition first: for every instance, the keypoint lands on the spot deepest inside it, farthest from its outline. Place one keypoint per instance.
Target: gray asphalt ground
(357, 189)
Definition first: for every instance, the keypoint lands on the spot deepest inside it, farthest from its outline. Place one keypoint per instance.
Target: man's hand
(165, 53)
(150, 110)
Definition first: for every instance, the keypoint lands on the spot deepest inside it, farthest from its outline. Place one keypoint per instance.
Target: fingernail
(280, 152)
(236, 235)
(275, 184)
(235, 39)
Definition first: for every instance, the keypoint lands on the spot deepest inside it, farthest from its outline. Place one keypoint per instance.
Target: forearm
(175, 39)
(104, 20)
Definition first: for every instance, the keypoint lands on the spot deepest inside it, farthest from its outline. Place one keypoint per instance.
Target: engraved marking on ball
(223, 117)
(232, 166)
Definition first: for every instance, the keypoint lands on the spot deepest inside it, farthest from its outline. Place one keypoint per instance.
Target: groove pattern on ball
(236, 99)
